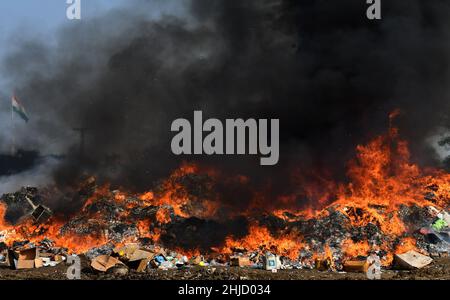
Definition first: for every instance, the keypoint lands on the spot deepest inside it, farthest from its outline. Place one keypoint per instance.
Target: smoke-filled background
(327, 72)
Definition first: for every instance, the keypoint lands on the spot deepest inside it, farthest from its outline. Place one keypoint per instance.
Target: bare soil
(439, 269)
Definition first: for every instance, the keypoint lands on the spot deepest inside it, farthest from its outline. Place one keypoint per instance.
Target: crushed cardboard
(139, 255)
(103, 263)
(196, 260)
(132, 252)
(38, 263)
(127, 250)
(143, 264)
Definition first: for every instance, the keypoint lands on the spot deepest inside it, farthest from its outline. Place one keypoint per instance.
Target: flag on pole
(18, 108)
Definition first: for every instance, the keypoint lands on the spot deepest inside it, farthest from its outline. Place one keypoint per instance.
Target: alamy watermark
(74, 269)
(235, 137)
(73, 11)
(374, 10)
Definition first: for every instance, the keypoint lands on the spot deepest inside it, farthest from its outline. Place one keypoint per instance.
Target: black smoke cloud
(330, 75)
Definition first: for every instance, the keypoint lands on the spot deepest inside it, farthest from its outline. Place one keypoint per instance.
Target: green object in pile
(439, 224)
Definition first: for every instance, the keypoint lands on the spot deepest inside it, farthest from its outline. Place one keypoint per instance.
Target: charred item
(22, 203)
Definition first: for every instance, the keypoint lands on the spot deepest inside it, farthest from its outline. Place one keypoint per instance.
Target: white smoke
(39, 176)
(442, 151)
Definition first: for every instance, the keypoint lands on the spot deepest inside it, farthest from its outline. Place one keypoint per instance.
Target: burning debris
(390, 211)
(325, 243)
(20, 204)
(27, 255)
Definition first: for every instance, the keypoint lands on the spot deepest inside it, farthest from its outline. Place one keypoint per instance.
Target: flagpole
(13, 145)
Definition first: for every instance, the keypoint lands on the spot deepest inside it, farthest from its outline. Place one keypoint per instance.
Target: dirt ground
(439, 269)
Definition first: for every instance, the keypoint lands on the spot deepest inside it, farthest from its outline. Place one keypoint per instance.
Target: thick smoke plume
(328, 73)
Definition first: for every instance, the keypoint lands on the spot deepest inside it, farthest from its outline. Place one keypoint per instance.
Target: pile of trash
(23, 203)
(437, 241)
(433, 241)
(26, 255)
(132, 256)
(132, 233)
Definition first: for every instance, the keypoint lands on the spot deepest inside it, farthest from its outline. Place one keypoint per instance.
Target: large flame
(381, 180)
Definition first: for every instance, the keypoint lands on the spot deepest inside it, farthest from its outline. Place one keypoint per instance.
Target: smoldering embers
(235, 137)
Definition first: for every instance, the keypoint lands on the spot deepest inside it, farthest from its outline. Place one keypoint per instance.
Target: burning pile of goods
(389, 209)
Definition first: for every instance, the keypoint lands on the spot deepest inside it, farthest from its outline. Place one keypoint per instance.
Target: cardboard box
(38, 263)
(272, 262)
(24, 259)
(196, 260)
(323, 264)
(240, 261)
(412, 260)
(154, 264)
(356, 266)
(127, 250)
(143, 265)
(140, 255)
(59, 258)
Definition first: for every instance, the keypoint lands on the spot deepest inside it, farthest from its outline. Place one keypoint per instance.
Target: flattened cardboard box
(139, 255)
(411, 260)
(127, 250)
(103, 263)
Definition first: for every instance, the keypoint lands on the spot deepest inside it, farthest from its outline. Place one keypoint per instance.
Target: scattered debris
(143, 265)
(436, 236)
(40, 212)
(240, 261)
(132, 253)
(358, 266)
(118, 220)
(118, 270)
(25, 259)
(442, 215)
(442, 220)
(439, 225)
(103, 263)
(272, 262)
(323, 264)
(412, 260)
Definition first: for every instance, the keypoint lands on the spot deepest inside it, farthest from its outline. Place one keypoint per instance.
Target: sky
(22, 20)
(46, 14)
(36, 19)
(41, 18)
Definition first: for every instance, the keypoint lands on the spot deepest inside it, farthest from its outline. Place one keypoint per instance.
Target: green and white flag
(18, 108)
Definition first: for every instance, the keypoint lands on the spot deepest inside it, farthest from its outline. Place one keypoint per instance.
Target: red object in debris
(424, 231)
